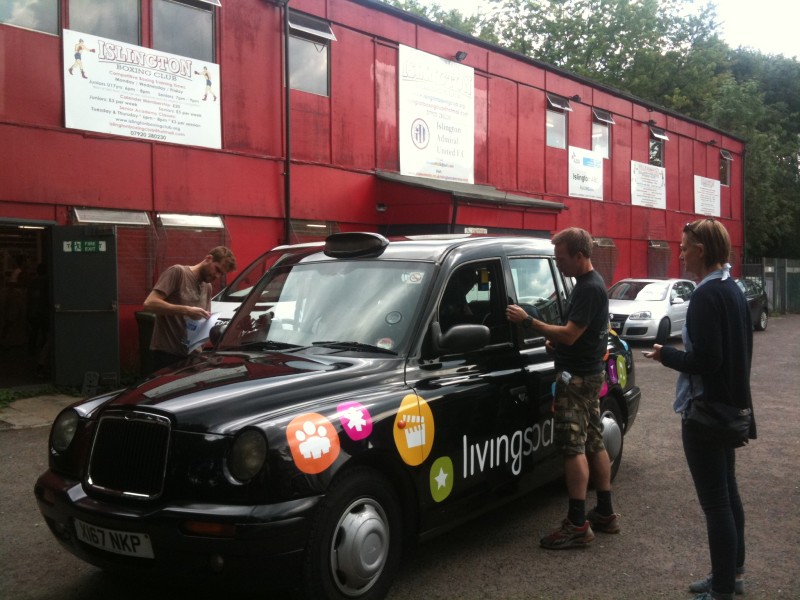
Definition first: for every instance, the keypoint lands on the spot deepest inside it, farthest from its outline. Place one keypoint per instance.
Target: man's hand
(196, 313)
(515, 314)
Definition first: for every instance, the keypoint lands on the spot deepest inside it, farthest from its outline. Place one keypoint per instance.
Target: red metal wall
(338, 142)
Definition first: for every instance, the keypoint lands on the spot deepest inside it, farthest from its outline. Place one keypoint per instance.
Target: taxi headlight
(642, 315)
(64, 428)
(247, 455)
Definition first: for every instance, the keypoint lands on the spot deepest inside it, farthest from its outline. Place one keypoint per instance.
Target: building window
(309, 54)
(725, 160)
(556, 121)
(657, 138)
(118, 20)
(39, 15)
(601, 132)
(184, 28)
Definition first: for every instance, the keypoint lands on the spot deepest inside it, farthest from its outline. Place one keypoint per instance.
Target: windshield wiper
(357, 346)
(269, 345)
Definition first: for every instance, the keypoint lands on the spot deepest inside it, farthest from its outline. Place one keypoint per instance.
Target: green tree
(434, 12)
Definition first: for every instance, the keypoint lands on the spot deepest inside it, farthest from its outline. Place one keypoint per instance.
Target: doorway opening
(25, 305)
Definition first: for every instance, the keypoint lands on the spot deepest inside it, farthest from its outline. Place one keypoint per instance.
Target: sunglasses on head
(690, 226)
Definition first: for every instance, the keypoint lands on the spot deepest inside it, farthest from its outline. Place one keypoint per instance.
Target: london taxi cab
(366, 393)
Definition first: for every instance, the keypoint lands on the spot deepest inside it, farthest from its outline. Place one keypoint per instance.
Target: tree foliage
(669, 52)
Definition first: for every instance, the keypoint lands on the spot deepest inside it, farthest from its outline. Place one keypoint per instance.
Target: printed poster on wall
(585, 174)
(648, 185)
(437, 117)
(706, 196)
(122, 89)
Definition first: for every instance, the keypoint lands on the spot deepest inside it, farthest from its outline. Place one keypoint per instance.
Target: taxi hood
(219, 392)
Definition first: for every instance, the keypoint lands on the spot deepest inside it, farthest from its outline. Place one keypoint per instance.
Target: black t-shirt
(587, 305)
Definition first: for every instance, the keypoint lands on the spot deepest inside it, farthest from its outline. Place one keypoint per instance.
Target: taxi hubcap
(612, 435)
(360, 547)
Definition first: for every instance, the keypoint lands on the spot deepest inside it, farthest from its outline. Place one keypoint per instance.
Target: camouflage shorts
(578, 429)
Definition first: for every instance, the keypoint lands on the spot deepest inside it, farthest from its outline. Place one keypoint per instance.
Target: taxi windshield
(359, 305)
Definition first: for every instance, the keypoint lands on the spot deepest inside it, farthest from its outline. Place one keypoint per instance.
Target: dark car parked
(366, 394)
(757, 300)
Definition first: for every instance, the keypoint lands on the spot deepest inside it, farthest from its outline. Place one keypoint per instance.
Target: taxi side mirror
(459, 339)
(217, 331)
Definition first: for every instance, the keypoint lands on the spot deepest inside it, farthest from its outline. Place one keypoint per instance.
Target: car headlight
(642, 315)
(247, 455)
(64, 428)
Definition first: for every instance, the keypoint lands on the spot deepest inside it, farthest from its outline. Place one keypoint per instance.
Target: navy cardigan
(721, 332)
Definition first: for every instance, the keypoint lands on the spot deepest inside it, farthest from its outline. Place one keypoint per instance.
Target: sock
(604, 507)
(577, 512)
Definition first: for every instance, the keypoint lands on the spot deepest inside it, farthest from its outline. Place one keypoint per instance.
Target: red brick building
(166, 125)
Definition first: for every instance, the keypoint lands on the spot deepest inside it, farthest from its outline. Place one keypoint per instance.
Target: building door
(86, 319)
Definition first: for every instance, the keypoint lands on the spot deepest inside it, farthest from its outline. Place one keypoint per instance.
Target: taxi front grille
(129, 455)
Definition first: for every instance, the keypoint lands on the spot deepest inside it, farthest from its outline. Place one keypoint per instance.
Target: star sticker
(441, 478)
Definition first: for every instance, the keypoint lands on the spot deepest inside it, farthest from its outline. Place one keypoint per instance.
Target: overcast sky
(772, 26)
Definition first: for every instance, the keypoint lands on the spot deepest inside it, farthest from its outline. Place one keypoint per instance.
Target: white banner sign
(706, 196)
(437, 117)
(585, 174)
(648, 185)
(121, 89)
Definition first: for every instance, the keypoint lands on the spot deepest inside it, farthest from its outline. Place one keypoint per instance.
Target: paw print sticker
(313, 442)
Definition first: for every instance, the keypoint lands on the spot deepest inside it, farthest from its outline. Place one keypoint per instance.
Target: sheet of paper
(198, 331)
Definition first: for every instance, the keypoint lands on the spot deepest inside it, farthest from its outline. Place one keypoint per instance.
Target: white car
(649, 309)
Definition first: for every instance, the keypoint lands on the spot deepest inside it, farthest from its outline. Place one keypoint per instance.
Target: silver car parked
(649, 309)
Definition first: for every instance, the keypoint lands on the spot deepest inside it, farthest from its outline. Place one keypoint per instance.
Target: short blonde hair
(714, 238)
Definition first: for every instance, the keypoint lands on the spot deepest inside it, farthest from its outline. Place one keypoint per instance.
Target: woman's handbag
(722, 422)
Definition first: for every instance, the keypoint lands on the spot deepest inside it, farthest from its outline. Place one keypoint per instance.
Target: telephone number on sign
(149, 136)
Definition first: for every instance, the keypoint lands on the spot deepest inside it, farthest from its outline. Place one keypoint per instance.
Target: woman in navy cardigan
(715, 363)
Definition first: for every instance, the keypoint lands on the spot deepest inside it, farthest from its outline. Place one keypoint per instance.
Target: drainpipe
(744, 211)
(287, 168)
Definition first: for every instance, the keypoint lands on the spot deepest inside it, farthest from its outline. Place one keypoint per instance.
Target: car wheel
(613, 438)
(663, 332)
(355, 544)
(761, 324)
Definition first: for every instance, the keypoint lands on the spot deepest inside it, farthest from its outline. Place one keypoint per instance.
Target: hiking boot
(568, 536)
(609, 524)
(704, 585)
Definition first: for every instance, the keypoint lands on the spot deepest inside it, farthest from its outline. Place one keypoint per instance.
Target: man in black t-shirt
(579, 346)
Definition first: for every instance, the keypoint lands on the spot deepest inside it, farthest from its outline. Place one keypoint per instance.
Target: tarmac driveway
(497, 556)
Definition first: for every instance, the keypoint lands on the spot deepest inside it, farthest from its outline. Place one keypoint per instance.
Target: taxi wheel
(355, 546)
(761, 324)
(613, 438)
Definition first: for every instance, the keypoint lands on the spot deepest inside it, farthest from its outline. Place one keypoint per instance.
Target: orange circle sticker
(313, 442)
(413, 430)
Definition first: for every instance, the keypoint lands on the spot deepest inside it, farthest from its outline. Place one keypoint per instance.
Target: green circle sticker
(441, 478)
(622, 371)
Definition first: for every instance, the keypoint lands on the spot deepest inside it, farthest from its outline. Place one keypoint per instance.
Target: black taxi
(366, 394)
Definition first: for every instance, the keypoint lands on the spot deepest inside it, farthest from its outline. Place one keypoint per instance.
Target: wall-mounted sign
(706, 196)
(585, 174)
(648, 185)
(121, 89)
(437, 117)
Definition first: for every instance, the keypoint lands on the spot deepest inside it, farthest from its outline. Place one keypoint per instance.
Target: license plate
(615, 324)
(111, 540)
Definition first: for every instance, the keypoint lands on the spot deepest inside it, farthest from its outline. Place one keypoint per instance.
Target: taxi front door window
(535, 288)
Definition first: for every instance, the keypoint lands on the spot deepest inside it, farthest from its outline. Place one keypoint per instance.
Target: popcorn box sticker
(414, 430)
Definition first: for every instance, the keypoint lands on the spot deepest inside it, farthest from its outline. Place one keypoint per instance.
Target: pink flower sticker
(355, 419)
